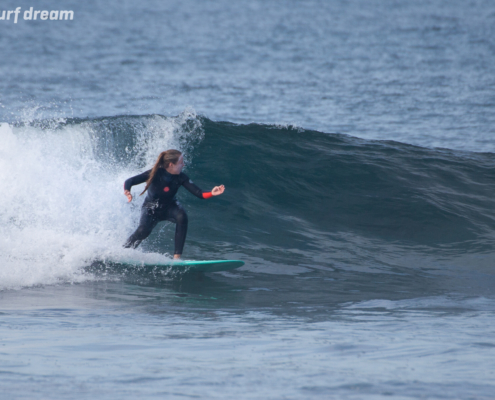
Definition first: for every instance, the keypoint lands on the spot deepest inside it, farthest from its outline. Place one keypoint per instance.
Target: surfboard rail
(174, 265)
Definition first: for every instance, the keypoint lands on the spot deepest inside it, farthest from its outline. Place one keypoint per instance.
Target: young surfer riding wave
(162, 183)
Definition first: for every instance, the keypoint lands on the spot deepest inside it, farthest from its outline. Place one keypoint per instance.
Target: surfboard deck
(177, 266)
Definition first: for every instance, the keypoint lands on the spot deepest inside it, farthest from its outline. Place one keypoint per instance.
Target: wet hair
(163, 161)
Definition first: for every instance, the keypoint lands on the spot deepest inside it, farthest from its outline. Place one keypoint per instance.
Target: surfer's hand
(217, 190)
(129, 195)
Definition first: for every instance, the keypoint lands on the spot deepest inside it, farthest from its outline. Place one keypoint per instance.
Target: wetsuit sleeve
(136, 180)
(191, 187)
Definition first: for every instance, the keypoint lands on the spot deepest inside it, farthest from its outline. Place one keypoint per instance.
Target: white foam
(61, 206)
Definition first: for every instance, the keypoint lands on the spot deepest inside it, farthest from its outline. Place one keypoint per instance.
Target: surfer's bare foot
(177, 256)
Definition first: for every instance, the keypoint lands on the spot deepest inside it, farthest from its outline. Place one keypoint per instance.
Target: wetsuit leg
(149, 219)
(177, 214)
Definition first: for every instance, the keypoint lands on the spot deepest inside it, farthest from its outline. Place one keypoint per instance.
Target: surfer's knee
(143, 231)
(181, 218)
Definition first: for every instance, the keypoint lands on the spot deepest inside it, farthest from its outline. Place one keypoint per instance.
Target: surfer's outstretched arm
(195, 190)
(135, 180)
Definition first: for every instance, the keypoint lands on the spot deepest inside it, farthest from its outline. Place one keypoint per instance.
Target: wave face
(296, 200)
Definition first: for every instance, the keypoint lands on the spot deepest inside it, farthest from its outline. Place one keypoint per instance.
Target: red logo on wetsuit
(166, 189)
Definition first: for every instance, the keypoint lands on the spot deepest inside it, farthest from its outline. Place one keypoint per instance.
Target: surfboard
(176, 266)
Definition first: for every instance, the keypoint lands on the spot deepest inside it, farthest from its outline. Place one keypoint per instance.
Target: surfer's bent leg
(178, 215)
(146, 224)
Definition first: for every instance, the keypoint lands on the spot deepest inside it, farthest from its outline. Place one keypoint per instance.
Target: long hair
(163, 161)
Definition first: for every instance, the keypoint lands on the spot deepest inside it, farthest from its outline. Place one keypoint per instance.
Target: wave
(295, 199)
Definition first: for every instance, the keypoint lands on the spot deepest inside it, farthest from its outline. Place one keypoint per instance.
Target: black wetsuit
(160, 204)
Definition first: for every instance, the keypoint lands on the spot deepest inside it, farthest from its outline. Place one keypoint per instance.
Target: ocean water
(356, 143)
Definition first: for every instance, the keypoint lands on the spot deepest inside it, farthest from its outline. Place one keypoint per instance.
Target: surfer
(162, 183)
